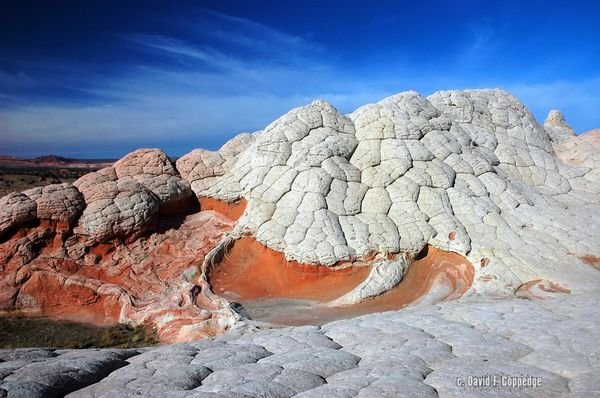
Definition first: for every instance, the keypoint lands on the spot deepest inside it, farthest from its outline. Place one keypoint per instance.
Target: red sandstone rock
(592, 260)
(135, 282)
(386, 182)
(128, 260)
(250, 270)
(433, 277)
(232, 210)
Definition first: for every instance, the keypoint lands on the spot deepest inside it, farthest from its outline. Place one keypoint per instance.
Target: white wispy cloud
(179, 49)
(260, 38)
(480, 46)
(199, 95)
(176, 122)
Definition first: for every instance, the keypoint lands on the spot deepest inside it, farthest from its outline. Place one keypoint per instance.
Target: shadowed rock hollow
(320, 206)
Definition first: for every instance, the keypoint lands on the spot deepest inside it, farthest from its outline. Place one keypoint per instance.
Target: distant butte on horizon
(9, 161)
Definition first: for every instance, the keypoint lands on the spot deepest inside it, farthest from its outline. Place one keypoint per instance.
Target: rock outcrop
(469, 177)
(582, 151)
(424, 351)
(112, 247)
(57, 202)
(557, 127)
(117, 209)
(466, 171)
(15, 210)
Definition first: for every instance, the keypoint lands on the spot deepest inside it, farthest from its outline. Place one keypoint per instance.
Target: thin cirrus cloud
(223, 74)
(178, 49)
(197, 95)
(258, 37)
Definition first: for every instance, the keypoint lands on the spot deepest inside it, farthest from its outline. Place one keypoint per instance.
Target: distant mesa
(53, 161)
(408, 200)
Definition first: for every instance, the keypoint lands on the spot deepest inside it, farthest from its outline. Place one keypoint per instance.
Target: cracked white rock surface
(466, 171)
(469, 171)
(15, 210)
(420, 351)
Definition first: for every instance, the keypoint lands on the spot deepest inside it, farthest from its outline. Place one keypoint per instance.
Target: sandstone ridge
(465, 171)
(469, 172)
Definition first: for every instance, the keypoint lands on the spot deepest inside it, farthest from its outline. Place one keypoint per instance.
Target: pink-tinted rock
(139, 281)
(201, 168)
(152, 169)
(200, 164)
(15, 210)
(557, 127)
(540, 289)
(582, 150)
(88, 182)
(57, 202)
(117, 209)
(174, 194)
(144, 161)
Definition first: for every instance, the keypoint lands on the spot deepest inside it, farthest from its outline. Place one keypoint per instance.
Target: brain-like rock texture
(154, 170)
(144, 161)
(57, 202)
(15, 210)
(117, 209)
(203, 168)
(468, 172)
(122, 199)
(465, 171)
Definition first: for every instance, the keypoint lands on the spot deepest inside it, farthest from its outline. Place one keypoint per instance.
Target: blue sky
(98, 79)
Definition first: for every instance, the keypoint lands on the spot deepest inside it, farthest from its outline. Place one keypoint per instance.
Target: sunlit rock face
(16, 209)
(112, 247)
(501, 203)
(465, 171)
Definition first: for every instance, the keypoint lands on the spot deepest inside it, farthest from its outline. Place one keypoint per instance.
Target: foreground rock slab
(43, 372)
(422, 351)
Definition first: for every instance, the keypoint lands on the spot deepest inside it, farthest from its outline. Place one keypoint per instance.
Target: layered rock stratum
(321, 215)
